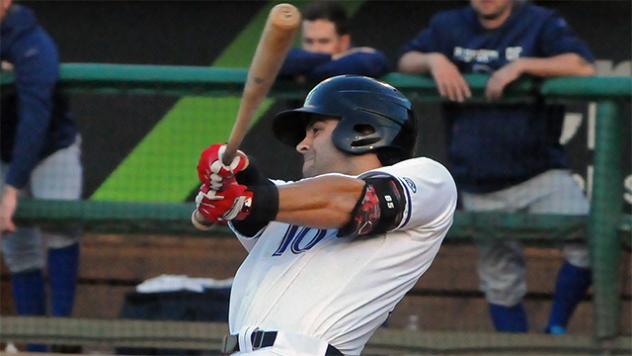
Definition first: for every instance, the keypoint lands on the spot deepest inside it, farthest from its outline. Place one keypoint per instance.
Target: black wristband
(250, 176)
(265, 207)
(265, 203)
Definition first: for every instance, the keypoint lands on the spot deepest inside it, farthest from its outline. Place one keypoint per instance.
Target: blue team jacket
(319, 66)
(493, 147)
(35, 120)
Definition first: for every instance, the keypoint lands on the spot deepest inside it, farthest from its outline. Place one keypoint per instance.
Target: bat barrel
(275, 42)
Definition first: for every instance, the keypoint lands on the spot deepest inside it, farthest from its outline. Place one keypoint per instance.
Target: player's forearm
(417, 62)
(568, 64)
(10, 191)
(322, 202)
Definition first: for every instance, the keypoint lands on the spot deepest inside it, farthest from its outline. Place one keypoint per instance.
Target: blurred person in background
(40, 158)
(507, 157)
(327, 49)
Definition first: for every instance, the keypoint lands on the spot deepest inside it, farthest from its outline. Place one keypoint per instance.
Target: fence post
(605, 213)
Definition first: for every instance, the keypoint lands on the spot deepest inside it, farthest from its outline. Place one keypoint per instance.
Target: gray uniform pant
(59, 176)
(501, 266)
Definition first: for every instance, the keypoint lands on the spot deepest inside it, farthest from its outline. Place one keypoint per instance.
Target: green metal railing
(187, 80)
(208, 336)
(605, 209)
(603, 226)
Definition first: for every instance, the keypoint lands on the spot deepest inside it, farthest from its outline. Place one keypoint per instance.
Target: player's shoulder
(451, 14)
(415, 169)
(429, 191)
(533, 14)
(420, 164)
(419, 161)
(452, 17)
(536, 10)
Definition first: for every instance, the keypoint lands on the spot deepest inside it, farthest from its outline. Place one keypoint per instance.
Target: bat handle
(229, 154)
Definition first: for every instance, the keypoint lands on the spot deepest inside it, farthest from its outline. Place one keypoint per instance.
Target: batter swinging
(332, 254)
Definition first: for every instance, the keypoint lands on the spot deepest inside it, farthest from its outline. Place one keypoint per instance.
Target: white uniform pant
(59, 176)
(501, 265)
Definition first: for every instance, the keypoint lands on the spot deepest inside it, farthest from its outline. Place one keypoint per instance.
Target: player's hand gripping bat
(276, 39)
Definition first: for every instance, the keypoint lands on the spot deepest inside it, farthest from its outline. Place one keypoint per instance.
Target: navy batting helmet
(374, 116)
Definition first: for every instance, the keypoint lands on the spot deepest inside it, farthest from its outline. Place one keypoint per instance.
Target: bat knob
(199, 222)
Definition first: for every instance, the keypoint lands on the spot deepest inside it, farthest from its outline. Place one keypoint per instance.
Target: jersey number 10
(294, 237)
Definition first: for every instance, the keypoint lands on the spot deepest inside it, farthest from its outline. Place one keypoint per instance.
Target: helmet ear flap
(358, 136)
(365, 134)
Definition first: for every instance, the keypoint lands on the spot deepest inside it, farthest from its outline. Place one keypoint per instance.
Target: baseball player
(332, 254)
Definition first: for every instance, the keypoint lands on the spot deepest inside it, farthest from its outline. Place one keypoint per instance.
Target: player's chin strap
(379, 209)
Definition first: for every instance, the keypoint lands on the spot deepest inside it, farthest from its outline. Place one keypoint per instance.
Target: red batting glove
(232, 202)
(211, 169)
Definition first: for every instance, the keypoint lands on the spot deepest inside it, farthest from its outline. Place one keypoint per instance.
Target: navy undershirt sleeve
(319, 66)
(372, 64)
(558, 37)
(301, 62)
(431, 39)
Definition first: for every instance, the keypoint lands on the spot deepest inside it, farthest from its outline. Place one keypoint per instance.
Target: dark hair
(330, 11)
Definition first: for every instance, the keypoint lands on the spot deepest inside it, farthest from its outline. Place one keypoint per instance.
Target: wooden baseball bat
(276, 39)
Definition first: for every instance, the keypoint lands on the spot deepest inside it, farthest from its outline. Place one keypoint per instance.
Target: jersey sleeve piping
(408, 203)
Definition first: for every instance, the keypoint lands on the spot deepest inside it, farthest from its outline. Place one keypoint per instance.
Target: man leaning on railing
(507, 157)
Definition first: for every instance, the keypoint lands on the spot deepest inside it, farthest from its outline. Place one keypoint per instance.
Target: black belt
(261, 339)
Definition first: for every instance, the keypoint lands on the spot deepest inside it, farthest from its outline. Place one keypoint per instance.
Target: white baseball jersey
(338, 289)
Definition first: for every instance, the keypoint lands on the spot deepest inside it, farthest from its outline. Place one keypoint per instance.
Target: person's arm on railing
(8, 204)
(429, 52)
(562, 54)
(414, 62)
(567, 64)
(450, 81)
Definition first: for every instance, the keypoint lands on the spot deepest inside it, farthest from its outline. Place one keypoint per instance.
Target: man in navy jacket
(41, 158)
(327, 50)
(507, 157)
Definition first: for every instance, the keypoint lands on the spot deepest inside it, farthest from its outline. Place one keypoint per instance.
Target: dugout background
(198, 33)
